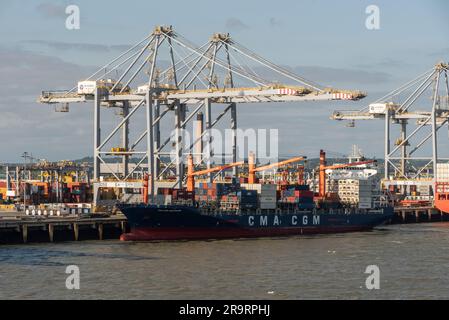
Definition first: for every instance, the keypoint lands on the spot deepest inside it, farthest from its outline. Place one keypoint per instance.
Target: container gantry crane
(400, 107)
(197, 78)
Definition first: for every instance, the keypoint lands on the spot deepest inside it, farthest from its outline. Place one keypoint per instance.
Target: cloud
(51, 10)
(5, 6)
(275, 22)
(29, 72)
(386, 63)
(91, 47)
(342, 76)
(236, 24)
(31, 126)
(441, 54)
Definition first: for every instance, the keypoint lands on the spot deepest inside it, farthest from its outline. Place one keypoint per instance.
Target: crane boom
(252, 166)
(217, 169)
(191, 174)
(278, 164)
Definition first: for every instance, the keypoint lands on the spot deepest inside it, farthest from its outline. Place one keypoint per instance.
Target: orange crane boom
(324, 167)
(191, 174)
(252, 166)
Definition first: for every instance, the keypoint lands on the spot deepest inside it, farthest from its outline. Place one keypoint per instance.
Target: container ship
(151, 222)
(248, 210)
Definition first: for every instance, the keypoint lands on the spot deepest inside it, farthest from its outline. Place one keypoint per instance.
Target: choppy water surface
(413, 260)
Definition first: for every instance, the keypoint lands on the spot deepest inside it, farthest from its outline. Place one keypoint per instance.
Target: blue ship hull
(148, 223)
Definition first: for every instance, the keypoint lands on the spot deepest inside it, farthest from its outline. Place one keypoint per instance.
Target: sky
(324, 41)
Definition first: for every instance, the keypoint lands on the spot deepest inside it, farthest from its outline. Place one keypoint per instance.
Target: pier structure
(25, 229)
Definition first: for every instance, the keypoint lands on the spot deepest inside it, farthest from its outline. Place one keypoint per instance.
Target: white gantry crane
(166, 74)
(407, 161)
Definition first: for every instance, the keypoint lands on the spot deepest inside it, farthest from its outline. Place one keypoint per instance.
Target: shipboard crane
(252, 166)
(323, 167)
(191, 174)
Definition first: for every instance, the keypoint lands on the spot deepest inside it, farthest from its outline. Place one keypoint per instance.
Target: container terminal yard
(69, 200)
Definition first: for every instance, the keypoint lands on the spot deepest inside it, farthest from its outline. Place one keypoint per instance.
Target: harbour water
(413, 262)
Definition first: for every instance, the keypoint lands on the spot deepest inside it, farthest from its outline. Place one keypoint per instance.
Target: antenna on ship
(356, 154)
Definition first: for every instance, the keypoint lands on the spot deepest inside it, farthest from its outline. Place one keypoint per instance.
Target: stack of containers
(442, 172)
(176, 196)
(201, 193)
(424, 190)
(229, 201)
(208, 193)
(356, 192)
(267, 194)
(247, 199)
(365, 193)
(241, 199)
(298, 196)
(182, 194)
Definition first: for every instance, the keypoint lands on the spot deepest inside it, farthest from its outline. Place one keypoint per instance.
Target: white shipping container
(248, 186)
(262, 189)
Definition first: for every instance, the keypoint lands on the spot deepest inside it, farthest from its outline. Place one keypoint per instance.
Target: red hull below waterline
(163, 234)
